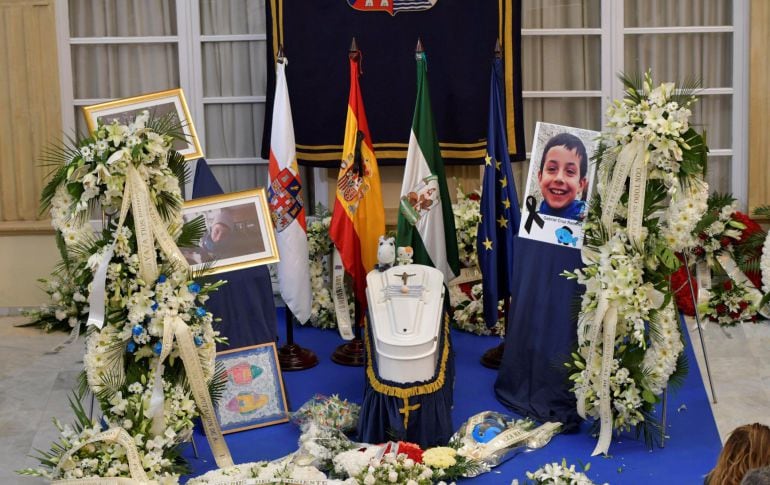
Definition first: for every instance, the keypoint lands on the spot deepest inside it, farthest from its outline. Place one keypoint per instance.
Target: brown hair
(747, 447)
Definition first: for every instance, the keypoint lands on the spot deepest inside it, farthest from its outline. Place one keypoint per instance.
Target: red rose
(682, 291)
(751, 225)
(721, 309)
(728, 285)
(743, 305)
(474, 196)
(725, 241)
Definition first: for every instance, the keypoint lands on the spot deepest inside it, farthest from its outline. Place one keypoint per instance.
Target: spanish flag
(358, 218)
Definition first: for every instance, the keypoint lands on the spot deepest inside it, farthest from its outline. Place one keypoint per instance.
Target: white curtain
(237, 68)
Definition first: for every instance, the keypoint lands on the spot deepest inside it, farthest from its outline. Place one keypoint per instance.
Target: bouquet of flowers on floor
(651, 196)
(150, 344)
(558, 474)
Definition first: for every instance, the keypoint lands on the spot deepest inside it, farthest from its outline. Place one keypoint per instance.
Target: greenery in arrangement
(128, 171)
(650, 197)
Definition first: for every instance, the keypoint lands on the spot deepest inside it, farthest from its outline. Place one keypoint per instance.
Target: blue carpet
(690, 451)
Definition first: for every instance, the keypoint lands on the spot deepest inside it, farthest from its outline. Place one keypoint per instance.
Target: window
(213, 49)
(571, 52)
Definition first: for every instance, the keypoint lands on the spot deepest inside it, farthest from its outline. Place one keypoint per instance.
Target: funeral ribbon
(605, 321)
(148, 228)
(175, 327)
(340, 298)
(631, 163)
(531, 204)
(113, 435)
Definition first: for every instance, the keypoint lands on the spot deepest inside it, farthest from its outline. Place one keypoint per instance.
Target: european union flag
(499, 207)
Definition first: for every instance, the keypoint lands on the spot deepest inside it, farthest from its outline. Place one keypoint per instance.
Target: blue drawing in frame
(254, 395)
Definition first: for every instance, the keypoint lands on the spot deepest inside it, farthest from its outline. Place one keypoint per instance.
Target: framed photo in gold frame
(254, 395)
(164, 103)
(239, 232)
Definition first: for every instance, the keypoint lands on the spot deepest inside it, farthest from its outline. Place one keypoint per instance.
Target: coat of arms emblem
(392, 6)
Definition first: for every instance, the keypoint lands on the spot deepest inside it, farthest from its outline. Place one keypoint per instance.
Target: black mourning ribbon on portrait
(533, 215)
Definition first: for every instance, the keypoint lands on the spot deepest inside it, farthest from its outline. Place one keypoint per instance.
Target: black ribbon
(531, 204)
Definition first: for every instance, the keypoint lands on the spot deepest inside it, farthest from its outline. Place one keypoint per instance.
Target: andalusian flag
(425, 218)
(287, 210)
(358, 219)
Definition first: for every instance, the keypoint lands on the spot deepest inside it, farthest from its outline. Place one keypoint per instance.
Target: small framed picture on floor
(253, 394)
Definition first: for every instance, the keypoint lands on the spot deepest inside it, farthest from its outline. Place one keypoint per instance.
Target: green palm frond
(762, 211)
(167, 124)
(179, 167)
(677, 378)
(168, 204)
(650, 429)
(218, 383)
(686, 89)
(632, 83)
(112, 382)
(192, 232)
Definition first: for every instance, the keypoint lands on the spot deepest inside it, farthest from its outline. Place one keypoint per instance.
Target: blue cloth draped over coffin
(541, 334)
(459, 39)
(245, 304)
(418, 412)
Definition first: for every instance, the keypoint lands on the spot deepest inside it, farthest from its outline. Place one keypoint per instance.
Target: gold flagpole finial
(353, 51)
(419, 49)
(280, 57)
(498, 50)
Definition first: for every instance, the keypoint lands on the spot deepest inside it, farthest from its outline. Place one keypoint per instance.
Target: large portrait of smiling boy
(559, 185)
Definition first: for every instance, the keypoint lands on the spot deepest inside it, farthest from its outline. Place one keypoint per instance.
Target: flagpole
(494, 356)
(291, 356)
(352, 353)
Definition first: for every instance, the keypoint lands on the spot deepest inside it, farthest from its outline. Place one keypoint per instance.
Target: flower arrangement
(68, 307)
(558, 474)
(320, 246)
(467, 300)
(468, 311)
(149, 296)
(328, 411)
(731, 303)
(467, 215)
(633, 230)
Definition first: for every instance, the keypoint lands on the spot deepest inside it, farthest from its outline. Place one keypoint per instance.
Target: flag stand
(291, 356)
(352, 353)
(494, 356)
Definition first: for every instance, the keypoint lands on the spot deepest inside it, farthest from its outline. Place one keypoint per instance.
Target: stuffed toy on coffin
(409, 363)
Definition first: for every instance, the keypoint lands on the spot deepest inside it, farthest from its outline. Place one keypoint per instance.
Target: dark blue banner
(499, 207)
(459, 39)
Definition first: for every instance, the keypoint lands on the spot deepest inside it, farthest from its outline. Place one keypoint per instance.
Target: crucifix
(407, 409)
(404, 276)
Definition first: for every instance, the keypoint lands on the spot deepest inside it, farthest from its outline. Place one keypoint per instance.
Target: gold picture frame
(171, 102)
(254, 395)
(239, 232)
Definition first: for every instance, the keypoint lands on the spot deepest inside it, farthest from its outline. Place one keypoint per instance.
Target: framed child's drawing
(254, 395)
(559, 185)
(167, 105)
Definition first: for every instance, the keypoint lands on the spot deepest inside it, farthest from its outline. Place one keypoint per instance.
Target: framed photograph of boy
(253, 394)
(559, 185)
(170, 104)
(239, 232)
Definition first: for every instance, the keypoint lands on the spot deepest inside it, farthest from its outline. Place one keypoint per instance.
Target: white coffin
(406, 320)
